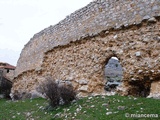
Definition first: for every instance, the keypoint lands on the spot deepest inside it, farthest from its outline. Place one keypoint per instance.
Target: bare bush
(56, 94)
(67, 94)
(51, 92)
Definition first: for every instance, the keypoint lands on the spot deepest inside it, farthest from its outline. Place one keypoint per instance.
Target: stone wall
(76, 50)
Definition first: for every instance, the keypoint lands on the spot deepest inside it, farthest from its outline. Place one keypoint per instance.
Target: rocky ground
(89, 108)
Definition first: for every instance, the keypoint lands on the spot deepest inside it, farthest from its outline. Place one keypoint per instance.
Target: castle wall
(98, 16)
(76, 50)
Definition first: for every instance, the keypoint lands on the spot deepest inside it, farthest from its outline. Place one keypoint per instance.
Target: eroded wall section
(82, 63)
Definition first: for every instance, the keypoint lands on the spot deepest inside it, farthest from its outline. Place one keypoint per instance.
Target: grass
(89, 108)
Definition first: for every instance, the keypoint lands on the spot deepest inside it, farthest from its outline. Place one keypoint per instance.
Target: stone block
(138, 54)
(84, 88)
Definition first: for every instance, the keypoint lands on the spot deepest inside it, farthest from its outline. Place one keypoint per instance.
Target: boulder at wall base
(154, 91)
(84, 88)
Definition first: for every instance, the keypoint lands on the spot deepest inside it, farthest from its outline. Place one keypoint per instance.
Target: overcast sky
(21, 19)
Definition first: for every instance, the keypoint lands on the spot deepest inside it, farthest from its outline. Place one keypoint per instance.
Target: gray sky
(21, 19)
